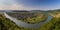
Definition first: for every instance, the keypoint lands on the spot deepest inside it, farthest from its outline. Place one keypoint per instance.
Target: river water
(26, 25)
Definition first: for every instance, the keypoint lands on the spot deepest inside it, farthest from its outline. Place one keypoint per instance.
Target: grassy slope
(54, 24)
(6, 24)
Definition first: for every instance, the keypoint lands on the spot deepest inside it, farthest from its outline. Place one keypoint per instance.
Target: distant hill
(28, 11)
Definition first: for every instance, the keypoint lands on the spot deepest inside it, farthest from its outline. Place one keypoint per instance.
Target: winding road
(26, 25)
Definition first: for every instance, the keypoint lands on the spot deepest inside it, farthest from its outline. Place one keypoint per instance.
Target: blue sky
(30, 4)
(38, 2)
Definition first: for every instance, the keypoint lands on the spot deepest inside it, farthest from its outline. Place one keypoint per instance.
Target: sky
(29, 4)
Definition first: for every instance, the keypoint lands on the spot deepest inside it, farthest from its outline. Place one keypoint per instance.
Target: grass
(6, 24)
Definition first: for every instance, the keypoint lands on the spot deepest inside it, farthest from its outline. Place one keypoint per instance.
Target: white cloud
(15, 7)
(12, 5)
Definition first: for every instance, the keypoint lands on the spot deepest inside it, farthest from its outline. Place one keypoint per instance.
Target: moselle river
(26, 25)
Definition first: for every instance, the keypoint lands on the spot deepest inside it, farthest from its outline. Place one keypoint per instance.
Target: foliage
(54, 24)
(6, 24)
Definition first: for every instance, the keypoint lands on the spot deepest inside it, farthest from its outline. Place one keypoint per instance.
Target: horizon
(30, 10)
(29, 4)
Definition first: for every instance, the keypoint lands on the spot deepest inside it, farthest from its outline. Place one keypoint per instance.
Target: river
(26, 25)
